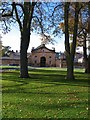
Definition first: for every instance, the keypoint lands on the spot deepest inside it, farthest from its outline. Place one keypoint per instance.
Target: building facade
(42, 57)
(12, 59)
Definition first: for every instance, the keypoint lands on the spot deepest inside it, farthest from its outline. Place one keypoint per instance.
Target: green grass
(46, 94)
(7, 66)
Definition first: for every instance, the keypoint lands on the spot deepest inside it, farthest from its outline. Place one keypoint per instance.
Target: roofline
(41, 48)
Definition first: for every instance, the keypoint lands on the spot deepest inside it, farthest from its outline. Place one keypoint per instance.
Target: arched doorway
(43, 62)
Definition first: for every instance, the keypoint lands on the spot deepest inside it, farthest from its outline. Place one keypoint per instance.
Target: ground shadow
(52, 77)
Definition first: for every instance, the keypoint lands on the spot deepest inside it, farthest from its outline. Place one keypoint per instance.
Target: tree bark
(70, 53)
(25, 39)
(88, 63)
(23, 56)
(85, 52)
(70, 69)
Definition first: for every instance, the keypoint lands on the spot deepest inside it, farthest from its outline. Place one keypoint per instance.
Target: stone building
(42, 57)
(12, 59)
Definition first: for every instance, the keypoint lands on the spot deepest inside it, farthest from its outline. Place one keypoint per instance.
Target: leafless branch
(40, 24)
(18, 4)
(19, 22)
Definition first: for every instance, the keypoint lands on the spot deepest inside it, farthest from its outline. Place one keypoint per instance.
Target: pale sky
(12, 39)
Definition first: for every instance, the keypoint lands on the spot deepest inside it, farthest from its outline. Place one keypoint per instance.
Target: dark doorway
(43, 62)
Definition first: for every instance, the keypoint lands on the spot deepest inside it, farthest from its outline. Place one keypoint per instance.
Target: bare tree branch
(18, 19)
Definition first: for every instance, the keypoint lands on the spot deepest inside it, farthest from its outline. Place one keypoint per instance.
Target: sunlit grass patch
(46, 94)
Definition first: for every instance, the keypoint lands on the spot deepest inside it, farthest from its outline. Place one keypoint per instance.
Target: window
(49, 56)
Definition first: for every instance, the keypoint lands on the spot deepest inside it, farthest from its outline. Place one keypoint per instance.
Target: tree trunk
(88, 65)
(85, 52)
(70, 69)
(67, 45)
(70, 53)
(23, 57)
(25, 39)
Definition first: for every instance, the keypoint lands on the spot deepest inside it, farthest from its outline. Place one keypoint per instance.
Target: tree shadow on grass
(45, 93)
(57, 80)
(51, 77)
(27, 90)
(60, 80)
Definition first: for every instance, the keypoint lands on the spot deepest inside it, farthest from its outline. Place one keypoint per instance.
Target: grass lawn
(46, 94)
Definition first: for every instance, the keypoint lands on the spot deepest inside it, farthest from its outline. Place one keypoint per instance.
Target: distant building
(12, 59)
(42, 57)
(79, 60)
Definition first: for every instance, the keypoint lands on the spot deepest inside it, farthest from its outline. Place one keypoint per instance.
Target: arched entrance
(43, 62)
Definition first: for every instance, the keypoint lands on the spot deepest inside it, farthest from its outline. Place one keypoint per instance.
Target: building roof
(41, 47)
(9, 58)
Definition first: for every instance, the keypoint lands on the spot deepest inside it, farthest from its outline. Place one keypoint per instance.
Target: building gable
(41, 49)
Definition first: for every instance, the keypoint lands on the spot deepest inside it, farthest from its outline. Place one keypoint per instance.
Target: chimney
(16, 51)
(32, 48)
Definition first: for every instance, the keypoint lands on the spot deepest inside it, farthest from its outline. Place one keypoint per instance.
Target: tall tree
(27, 9)
(25, 36)
(88, 64)
(0, 46)
(29, 16)
(85, 35)
(70, 52)
(82, 29)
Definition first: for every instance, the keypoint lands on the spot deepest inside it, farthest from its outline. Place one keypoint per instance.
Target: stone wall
(37, 55)
(10, 61)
